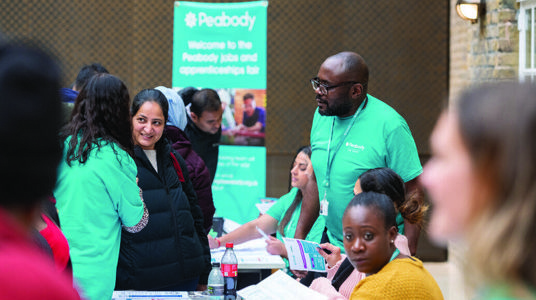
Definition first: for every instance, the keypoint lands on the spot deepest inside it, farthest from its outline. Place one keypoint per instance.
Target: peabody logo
(357, 147)
(222, 20)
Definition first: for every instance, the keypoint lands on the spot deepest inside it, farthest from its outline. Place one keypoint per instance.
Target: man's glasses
(324, 88)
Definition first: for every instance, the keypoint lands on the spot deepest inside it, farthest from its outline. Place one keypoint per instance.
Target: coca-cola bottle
(229, 268)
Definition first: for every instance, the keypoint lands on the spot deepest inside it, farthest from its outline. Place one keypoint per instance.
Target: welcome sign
(223, 46)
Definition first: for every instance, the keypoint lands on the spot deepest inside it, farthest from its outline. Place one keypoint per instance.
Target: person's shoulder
(407, 262)
(30, 275)
(290, 195)
(379, 107)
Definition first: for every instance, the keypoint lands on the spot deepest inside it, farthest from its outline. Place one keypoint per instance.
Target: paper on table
(302, 255)
(279, 286)
(250, 254)
(162, 295)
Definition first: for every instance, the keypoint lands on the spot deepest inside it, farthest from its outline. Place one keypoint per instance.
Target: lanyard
(341, 141)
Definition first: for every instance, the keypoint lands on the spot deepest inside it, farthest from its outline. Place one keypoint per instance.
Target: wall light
(470, 10)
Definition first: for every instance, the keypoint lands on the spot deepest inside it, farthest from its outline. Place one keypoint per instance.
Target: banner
(220, 44)
(223, 46)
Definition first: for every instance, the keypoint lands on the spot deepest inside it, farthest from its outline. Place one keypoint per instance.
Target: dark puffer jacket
(198, 171)
(173, 247)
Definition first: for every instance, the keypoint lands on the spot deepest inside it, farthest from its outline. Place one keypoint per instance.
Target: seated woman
(369, 231)
(283, 216)
(341, 274)
(172, 252)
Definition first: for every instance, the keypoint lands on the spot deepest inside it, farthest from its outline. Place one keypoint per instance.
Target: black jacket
(205, 145)
(173, 246)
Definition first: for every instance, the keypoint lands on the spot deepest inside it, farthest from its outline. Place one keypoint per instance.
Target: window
(527, 42)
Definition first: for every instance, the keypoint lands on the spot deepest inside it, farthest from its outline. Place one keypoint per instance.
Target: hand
(276, 247)
(311, 188)
(300, 274)
(201, 287)
(212, 242)
(332, 258)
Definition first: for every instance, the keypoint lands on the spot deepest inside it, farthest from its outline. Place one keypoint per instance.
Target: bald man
(353, 132)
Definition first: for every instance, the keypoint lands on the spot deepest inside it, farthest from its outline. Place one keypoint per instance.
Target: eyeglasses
(324, 88)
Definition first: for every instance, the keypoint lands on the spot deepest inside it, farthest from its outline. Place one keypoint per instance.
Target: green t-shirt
(278, 210)
(379, 137)
(505, 291)
(93, 200)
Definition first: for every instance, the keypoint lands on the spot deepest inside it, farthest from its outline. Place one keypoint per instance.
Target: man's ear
(193, 116)
(357, 90)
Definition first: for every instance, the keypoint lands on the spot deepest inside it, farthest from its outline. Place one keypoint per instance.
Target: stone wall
(486, 51)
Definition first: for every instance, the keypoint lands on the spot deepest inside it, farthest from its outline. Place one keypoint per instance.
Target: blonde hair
(497, 124)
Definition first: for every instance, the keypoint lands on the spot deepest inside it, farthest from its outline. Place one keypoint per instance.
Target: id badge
(324, 206)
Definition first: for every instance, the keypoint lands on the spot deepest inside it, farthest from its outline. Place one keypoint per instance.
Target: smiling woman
(172, 252)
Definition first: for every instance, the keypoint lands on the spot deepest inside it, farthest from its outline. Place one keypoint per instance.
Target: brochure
(303, 255)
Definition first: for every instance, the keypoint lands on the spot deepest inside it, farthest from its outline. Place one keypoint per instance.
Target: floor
(448, 277)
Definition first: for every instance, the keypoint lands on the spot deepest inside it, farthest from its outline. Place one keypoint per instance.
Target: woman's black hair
(380, 202)
(100, 113)
(150, 95)
(388, 182)
(385, 181)
(298, 198)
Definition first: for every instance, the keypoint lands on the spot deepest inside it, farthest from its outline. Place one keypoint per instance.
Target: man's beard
(339, 110)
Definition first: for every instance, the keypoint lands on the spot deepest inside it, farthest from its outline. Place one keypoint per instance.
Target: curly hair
(388, 182)
(100, 114)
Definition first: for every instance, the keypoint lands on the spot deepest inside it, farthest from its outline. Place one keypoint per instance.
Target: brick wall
(486, 51)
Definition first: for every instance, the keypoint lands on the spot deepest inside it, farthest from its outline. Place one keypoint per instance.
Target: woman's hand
(332, 258)
(212, 242)
(276, 247)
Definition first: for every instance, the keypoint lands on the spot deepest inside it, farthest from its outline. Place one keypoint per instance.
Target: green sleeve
(277, 211)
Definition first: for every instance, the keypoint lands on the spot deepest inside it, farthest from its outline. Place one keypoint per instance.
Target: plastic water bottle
(215, 283)
(229, 268)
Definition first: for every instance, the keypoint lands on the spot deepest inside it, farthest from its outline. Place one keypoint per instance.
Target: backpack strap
(177, 167)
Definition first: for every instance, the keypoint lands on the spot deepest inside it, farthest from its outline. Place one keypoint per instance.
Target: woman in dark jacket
(172, 252)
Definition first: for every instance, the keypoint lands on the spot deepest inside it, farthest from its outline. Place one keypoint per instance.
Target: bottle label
(216, 289)
(229, 270)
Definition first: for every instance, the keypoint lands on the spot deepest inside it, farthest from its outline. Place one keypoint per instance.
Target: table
(163, 295)
(254, 263)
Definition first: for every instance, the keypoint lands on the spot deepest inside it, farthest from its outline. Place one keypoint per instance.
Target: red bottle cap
(228, 245)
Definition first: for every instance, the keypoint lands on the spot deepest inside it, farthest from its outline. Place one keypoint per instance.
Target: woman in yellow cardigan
(369, 231)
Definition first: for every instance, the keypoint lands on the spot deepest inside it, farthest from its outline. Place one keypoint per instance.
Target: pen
(264, 235)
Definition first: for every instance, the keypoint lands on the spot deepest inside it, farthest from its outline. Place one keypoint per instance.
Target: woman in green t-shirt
(282, 218)
(96, 191)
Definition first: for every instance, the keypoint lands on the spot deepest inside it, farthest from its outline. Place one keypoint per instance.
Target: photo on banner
(222, 46)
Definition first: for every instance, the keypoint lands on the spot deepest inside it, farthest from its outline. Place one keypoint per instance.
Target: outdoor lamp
(470, 9)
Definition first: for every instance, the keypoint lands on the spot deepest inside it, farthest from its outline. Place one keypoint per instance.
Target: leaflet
(279, 286)
(303, 255)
